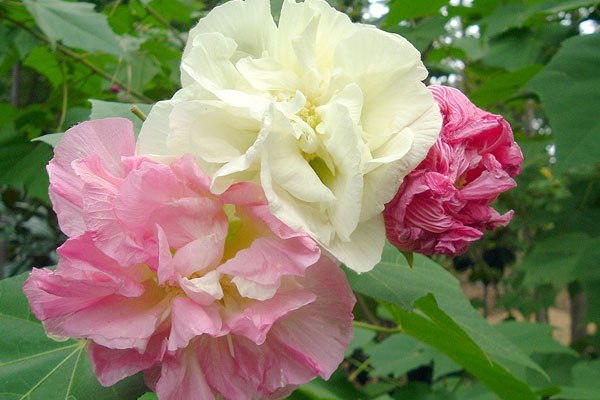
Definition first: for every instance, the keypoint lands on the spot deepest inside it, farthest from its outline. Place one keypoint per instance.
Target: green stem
(377, 328)
(166, 23)
(138, 113)
(363, 366)
(65, 98)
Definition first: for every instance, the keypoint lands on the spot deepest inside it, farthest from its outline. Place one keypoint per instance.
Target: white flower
(327, 115)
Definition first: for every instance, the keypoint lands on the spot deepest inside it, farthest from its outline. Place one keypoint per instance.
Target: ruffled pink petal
(115, 321)
(189, 319)
(444, 204)
(255, 321)
(316, 335)
(259, 268)
(181, 378)
(113, 365)
(52, 295)
(155, 195)
(109, 139)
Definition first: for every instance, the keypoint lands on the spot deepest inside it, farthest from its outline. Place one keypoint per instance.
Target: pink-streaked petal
(445, 203)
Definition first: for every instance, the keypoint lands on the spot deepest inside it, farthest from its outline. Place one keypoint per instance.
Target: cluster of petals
(444, 204)
(327, 115)
(210, 295)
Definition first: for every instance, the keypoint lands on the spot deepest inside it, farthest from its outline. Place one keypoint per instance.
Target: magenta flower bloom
(209, 295)
(444, 204)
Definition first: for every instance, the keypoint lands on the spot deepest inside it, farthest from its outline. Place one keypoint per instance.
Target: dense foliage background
(537, 62)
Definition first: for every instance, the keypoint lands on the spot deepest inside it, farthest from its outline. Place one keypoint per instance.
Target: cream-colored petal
(344, 147)
(386, 170)
(209, 63)
(287, 166)
(268, 75)
(153, 135)
(214, 133)
(363, 251)
(249, 23)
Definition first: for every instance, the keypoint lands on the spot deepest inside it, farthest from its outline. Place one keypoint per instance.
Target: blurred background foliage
(536, 62)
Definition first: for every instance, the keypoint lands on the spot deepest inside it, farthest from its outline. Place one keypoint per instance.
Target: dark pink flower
(444, 204)
(210, 295)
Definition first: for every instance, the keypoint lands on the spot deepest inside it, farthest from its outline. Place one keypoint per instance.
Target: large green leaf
(440, 331)
(32, 366)
(75, 24)
(569, 88)
(393, 281)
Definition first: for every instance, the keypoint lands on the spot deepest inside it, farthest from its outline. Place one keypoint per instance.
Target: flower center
(461, 181)
(309, 141)
(308, 115)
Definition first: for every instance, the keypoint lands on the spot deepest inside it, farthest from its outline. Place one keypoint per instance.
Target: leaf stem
(377, 328)
(138, 113)
(163, 21)
(363, 366)
(65, 97)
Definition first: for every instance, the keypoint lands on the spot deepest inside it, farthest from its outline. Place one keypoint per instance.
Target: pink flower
(207, 294)
(444, 204)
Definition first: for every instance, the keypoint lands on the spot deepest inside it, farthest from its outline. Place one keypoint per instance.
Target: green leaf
(361, 338)
(149, 396)
(474, 48)
(144, 67)
(561, 259)
(586, 377)
(410, 9)
(515, 49)
(571, 78)
(51, 139)
(555, 6)
(25, 42)
(33, 366)
(393, 281)
(44, 62)
(501, 87)
(107, 109)
(505, 17)
(336, 388)
(533, 338)
(398, 354)
(75, 24)
(422, 34)
(22, 164)
(440, 331)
